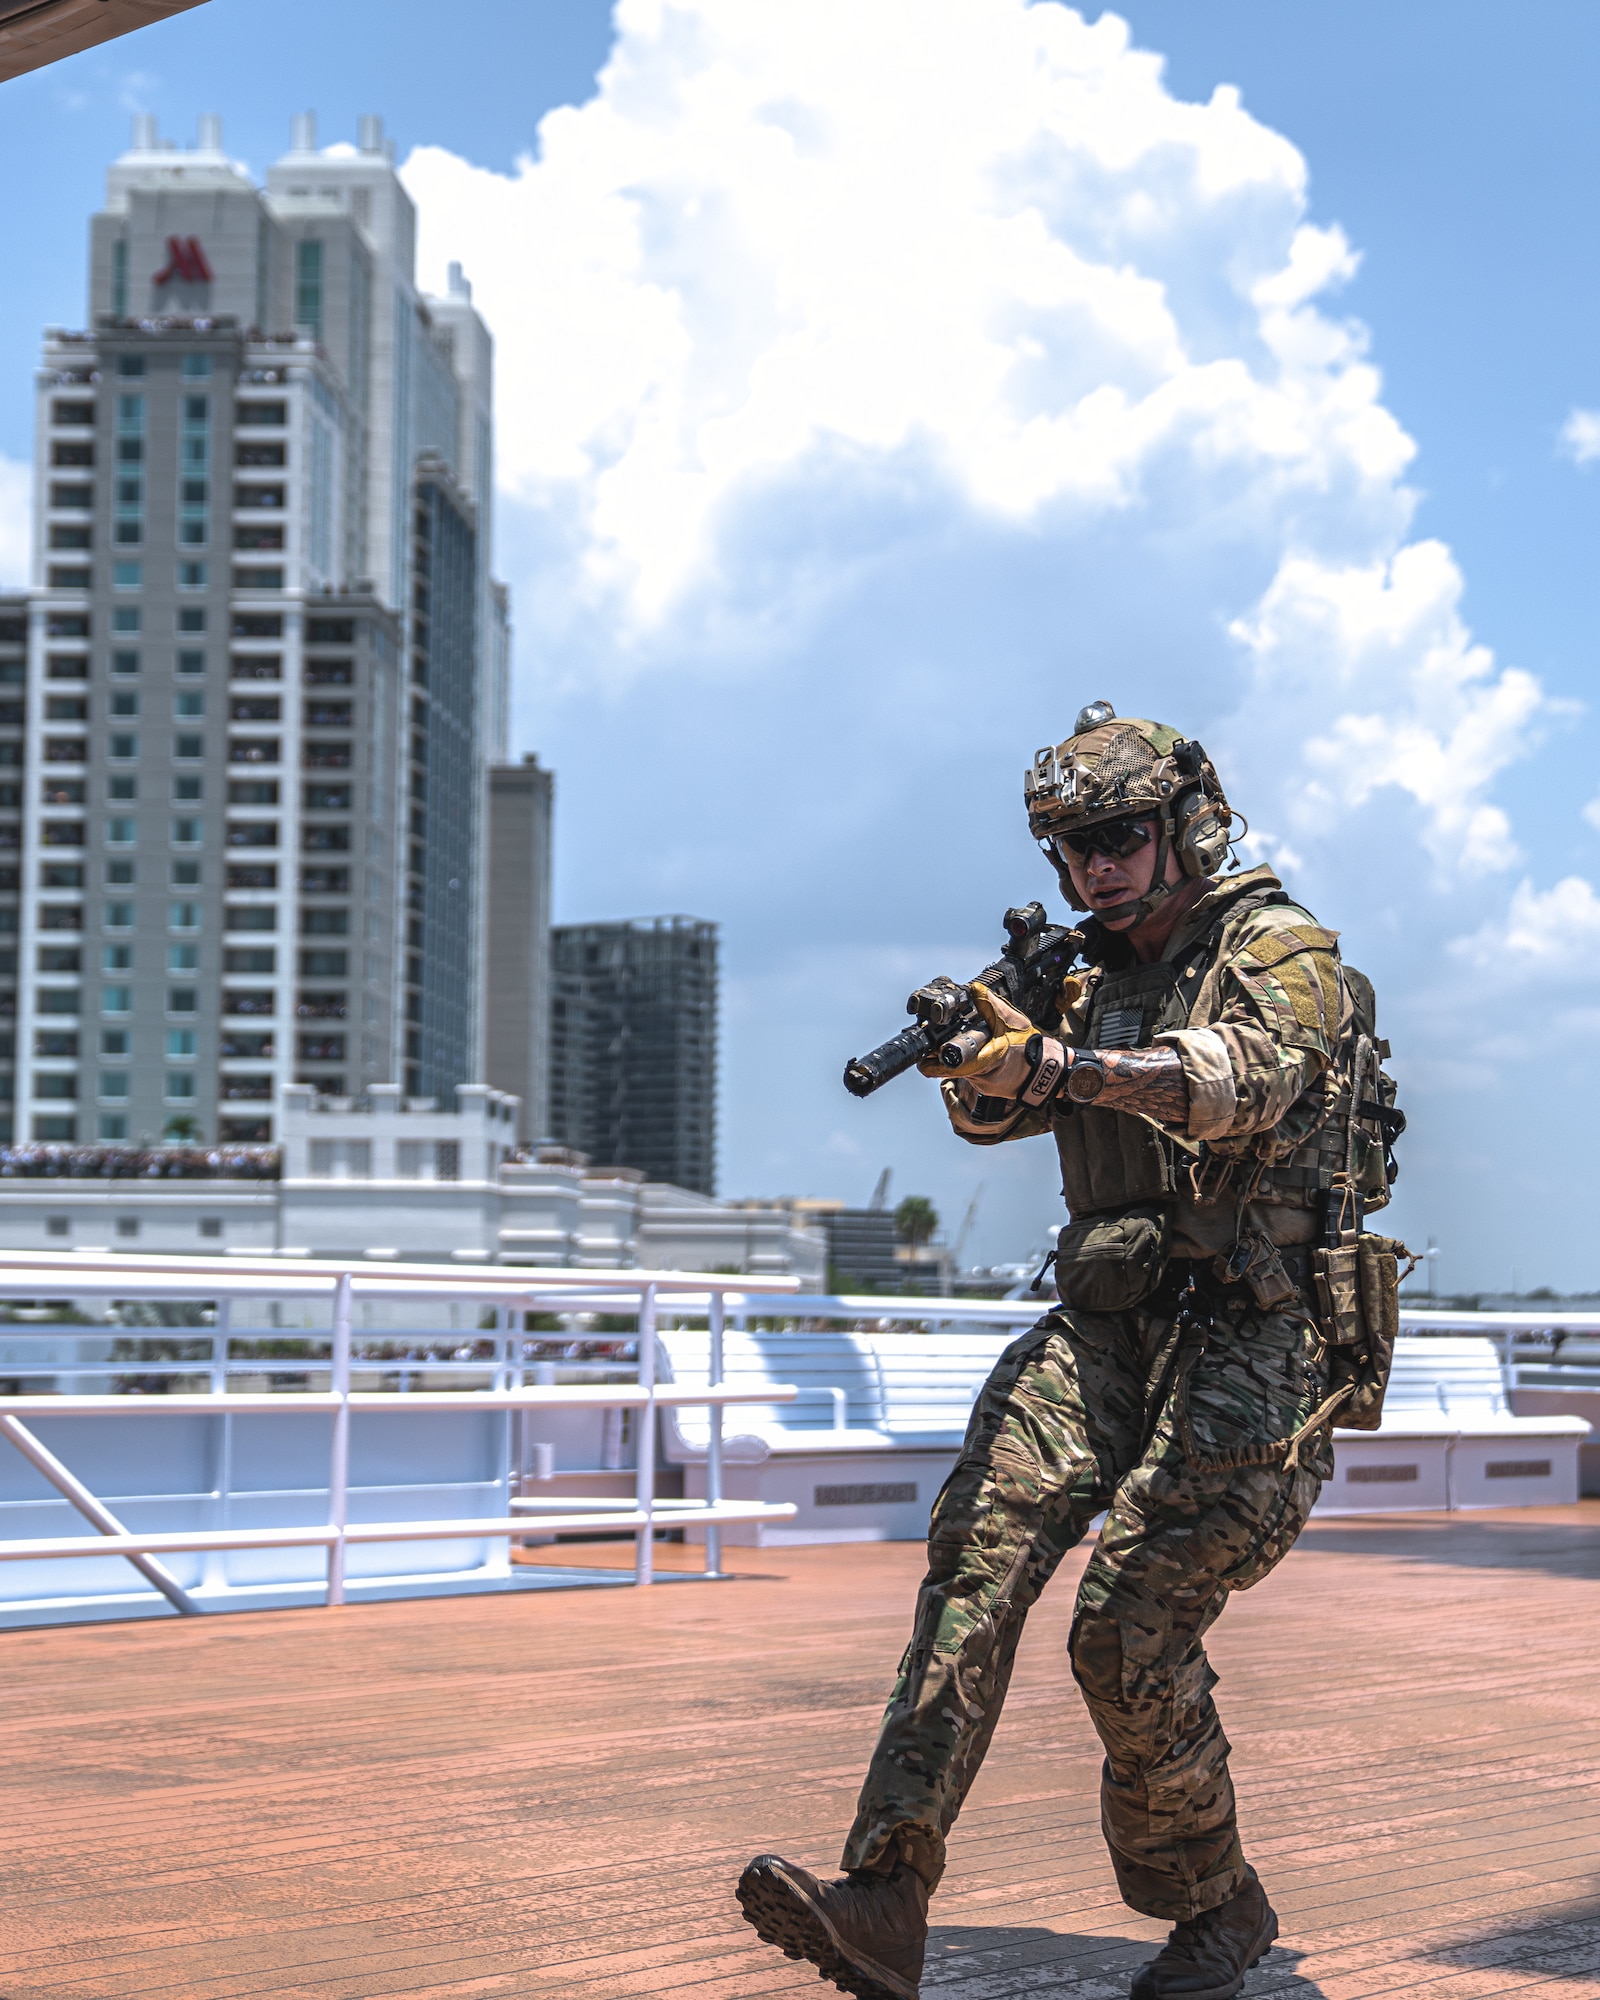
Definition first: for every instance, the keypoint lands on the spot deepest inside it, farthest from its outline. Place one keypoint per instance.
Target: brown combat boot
(865, 1932)
(1208, 1957)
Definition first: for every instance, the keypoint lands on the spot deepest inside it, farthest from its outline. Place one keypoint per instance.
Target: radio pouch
(1358, 1299)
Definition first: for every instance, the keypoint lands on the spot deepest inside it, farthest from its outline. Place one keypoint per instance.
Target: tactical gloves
(1018, 1061)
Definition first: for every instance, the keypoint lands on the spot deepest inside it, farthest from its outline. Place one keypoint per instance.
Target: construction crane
(880, 1194)
(962, 1233)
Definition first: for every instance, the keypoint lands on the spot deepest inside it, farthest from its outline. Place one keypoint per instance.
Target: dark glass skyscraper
(633, 1046)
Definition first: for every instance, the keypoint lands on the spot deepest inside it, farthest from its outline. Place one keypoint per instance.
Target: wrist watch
(1086, 1076)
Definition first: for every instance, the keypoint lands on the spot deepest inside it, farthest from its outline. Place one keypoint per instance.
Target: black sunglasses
(1116, 838)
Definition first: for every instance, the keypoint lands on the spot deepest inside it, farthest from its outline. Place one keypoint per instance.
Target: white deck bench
(1449, 1439)
(880, 1416)
(863, 1449)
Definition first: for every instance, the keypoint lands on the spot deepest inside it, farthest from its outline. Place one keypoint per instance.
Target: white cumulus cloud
(1379, 650)
(875, 385)
(1580, 436)
(975, 230)
(1548, 931)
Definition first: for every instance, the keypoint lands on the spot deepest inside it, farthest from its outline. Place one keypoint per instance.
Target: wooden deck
(550, 1794)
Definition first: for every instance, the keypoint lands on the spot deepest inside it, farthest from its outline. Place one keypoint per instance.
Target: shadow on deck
(551, 1794)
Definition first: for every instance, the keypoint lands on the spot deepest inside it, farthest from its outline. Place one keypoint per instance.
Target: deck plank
(548, 1795)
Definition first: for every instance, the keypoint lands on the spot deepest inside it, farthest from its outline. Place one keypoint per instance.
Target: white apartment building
(247, 707)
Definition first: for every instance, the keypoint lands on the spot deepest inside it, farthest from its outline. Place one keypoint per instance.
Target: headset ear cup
(1203, 844)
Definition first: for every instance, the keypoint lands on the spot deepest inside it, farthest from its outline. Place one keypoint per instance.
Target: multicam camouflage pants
(1178, 1435)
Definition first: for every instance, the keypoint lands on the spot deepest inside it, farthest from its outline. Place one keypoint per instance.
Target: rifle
(1028, 974)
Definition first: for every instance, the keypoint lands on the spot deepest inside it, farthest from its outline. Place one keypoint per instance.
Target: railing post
(714, 1376)
(499, 1563)
(339, 1454)
(214, 1570)
(645, 1449)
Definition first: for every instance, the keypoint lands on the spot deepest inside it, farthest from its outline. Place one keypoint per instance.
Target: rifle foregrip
(890, 1059)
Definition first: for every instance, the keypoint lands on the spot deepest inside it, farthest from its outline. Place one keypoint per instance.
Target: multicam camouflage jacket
(1252, 996)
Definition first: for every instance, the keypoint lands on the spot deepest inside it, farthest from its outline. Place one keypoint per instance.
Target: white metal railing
(352, 1358)
(1542, 1349)
(224, 1283)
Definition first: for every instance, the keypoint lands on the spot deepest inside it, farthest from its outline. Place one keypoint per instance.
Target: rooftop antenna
(880, 1194)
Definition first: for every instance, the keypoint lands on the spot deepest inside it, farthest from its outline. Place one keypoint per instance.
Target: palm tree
(181, 1129)
(916, 1219)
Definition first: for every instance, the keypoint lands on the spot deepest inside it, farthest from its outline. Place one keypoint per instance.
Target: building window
(119, 917)
(119, 279)
(308, 286)
(186, 832)
(211, 1225)
(123, 662)
(113, 1125)
(127, 1225)
(120, 832)
(260, 960)
(49, 1083)
(196, 367)
(192, 618)
(125, 618)
(116, 1000)
(183, 1000)
(58, 1225)
(341, 1160)
(188, 748)
(130, 364)
(56, 1131)
(113, 1041)
(191, 663)
(114, 1085)
(117, 958)
(123, 747)
(180, 1086)
(183, 917)
(181, 1042)
(184, 874)
(191, 576)
(183, 958)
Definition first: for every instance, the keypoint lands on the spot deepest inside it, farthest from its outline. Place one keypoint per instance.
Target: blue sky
(783, 562)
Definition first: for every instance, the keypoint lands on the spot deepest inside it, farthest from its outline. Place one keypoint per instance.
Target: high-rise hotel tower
(265, 664)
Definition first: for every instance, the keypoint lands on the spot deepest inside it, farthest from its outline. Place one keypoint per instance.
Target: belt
(1295, 1257)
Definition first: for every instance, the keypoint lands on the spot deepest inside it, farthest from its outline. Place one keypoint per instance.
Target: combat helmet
(1125, 768)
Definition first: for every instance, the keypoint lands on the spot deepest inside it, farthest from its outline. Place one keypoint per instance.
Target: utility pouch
(1358, 1292)
(1107, 1263)
(1257, 1262)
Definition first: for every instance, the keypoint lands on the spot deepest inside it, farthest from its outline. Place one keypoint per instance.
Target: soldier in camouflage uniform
(1201, 1114)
